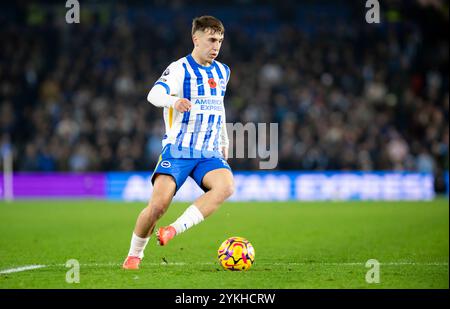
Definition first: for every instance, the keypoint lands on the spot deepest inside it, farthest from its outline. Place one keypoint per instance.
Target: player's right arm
(158, 97)
(164, 92)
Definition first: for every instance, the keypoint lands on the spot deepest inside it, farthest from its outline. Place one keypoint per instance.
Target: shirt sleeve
(159, 97)
(224, 142)
(166, 90)
(227, 72)
(172, 79)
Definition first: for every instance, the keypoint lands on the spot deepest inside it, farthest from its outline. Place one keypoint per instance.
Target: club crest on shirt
(222, 84)
(165, 164)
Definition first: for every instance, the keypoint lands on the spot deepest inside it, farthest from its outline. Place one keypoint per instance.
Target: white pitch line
(362, 263)
(31, 267)
(22, 268)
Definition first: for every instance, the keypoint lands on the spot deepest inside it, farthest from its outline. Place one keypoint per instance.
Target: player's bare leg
(163, 192)
(221, 186)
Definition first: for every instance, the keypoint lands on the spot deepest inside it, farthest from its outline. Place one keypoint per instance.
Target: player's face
(208, 44)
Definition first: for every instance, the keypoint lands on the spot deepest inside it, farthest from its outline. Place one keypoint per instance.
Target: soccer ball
(236, 253)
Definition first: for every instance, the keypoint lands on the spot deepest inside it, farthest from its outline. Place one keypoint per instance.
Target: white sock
(188, 219)
(137, 246)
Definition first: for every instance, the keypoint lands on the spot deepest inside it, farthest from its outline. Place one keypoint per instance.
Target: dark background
(347, 95)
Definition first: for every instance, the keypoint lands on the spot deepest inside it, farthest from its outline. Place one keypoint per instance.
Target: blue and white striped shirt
(203, 127)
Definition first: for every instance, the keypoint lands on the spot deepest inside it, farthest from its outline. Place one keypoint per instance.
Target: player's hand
(225, 152)
(182, 105)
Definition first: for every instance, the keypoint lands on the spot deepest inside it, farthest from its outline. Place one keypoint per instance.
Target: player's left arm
(224, 142)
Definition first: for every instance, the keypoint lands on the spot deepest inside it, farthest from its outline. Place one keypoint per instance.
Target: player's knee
(158, 208)
(226, 191)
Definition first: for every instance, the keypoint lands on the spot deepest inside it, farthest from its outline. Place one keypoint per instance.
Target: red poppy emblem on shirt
(212, 83)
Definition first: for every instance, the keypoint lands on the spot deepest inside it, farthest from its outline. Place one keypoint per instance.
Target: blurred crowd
(347, 95)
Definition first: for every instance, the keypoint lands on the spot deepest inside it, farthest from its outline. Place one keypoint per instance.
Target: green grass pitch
(298, 245)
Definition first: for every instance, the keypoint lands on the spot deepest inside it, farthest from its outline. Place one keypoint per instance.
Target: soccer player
(191, 91)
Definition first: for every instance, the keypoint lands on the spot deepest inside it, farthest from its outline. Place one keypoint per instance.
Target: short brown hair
(207, 22)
